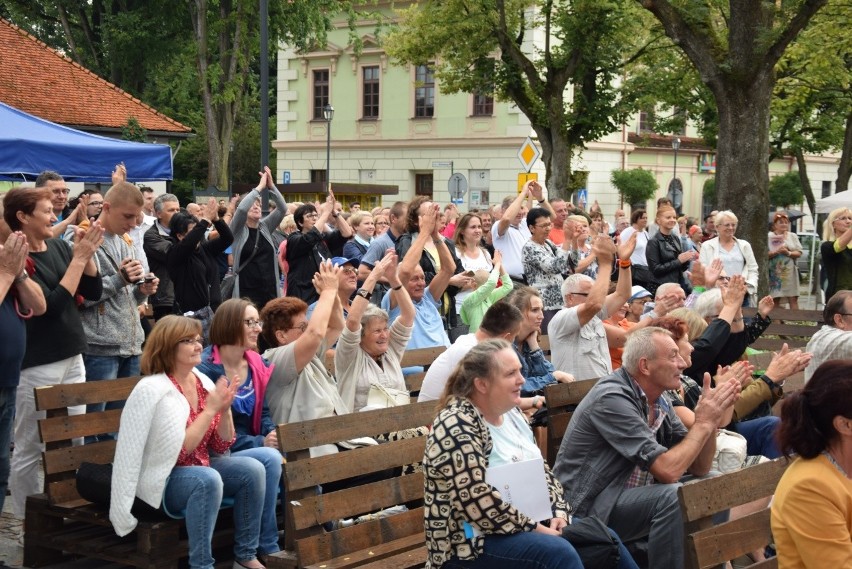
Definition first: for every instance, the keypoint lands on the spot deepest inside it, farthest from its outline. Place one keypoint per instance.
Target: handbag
(596, 546)
(94, 483)
(731, 451)
(381, 397)
(226, 287)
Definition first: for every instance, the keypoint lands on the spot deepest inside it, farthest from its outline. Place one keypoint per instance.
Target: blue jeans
(7, 421)
(760, 435)
(270, 458)
(109, 367)
(521, 551)
(197, 491)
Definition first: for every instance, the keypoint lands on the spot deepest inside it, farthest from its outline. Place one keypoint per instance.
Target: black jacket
(194, 270)
(661, 253)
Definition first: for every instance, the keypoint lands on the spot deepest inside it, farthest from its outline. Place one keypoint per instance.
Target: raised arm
(325, 283)
(273, 218)
(604, 250)
(356, 310)
(13, 275)
(615, 300)
(513, 209)
(399, 294)
(342, 225)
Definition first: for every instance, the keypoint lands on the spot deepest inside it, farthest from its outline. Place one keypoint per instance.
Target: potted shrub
(635, 186)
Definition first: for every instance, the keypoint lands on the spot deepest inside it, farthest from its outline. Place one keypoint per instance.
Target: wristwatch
(364, 293)
(779, 387)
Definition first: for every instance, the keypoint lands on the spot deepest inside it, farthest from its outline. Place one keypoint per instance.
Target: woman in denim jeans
(173, 423)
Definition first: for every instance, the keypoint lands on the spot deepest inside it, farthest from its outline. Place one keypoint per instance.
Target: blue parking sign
(286, 177)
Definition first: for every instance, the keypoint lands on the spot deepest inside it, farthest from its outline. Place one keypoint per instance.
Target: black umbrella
(793, 214)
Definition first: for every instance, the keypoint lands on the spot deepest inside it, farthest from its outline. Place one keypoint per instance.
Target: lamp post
(675, 187)
(328, 114)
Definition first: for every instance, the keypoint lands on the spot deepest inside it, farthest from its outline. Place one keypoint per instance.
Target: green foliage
(134, 131)
(634, 186)
(785, 190)
(709, 190)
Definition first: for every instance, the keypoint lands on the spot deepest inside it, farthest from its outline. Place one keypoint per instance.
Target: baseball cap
(340, 261)
(638, 292)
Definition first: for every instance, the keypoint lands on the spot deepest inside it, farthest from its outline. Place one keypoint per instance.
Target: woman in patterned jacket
(468, 524)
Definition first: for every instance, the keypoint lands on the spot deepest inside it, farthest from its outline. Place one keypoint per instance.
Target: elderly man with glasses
(65, 215)
(834, 340)
(578, 340)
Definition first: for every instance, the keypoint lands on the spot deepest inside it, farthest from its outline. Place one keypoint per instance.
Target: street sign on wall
(528, 154)
(457, 185)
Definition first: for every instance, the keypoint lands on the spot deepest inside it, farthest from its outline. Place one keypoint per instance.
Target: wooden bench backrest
(307, 511)
(59, 428)
(709, 545)
(423, 357)
(793, 327)
(562, 399)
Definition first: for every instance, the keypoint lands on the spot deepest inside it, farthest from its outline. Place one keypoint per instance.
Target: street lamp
(675, 187)
(328, 114)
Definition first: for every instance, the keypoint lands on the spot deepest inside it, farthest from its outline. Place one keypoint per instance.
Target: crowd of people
(249, 306)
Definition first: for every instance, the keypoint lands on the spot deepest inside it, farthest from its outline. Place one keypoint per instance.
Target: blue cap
(340, 261)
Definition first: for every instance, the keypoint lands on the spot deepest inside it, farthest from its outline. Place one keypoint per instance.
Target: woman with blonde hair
(666, 258)
(364, 226)
(835, 250)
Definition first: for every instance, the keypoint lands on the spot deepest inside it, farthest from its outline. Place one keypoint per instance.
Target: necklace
(836, 464)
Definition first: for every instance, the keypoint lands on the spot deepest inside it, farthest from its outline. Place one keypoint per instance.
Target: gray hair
(665, 288)
(570, 284)
(372, 312)
(723, 215)
(163, 198)
(708, 303)
(48, 176)
(640, 344)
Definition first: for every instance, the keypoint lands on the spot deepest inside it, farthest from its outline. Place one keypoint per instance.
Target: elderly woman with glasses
(545, 263)
(835, 250)
(312, 244)
(175, 430)
(736, 254)
(784, 249)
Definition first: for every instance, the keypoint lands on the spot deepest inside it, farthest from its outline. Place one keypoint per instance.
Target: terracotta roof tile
(40, 81)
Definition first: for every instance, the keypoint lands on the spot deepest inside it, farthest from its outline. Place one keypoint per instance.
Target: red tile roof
(39, 80)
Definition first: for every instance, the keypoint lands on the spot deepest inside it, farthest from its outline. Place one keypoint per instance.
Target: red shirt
(211, 440)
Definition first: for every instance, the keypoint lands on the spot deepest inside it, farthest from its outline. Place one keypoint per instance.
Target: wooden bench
(562, 400)
(793, 327)
(709, 545)
(59, 524)
(394, 542)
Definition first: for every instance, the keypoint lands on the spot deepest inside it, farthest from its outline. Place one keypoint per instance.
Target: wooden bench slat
(330, 430)
(729, 540)
(58, 396)
(421, 356)
(414, 381)
(788, 314)
(65, 428)
(414, 558)
(340, 466)
(69, 458)
(338, 543)
(702, 498)
(350, 502)
(381, 554)
(562, 394)
(797, 330)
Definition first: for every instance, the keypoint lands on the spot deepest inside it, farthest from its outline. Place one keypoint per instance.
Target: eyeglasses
(382, 223)
(62, 191)
(301, 327)
(252, 323)
(579, 293)
(314, 214)
(96, 203)
(724, 279)
(190, 341)
(641, 300)
(734, 225)
(544, 225)
(350, 270)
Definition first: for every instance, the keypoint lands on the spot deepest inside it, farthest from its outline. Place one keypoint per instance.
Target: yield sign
(528, 154)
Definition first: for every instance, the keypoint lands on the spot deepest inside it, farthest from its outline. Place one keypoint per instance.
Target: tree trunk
(742, 174)
(843, 170)
(805, 180)
(556, 154)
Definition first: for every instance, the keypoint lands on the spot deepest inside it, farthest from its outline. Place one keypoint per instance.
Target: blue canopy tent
(29, 145)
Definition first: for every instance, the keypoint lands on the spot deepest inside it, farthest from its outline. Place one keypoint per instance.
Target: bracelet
(396, 287)
(624, 263)
(22, 277)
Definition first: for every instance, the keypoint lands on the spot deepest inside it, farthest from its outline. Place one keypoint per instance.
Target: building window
(826, 189)
(423, 184)
(318, 176)
(483, 105)
(424, 92)
(646, 121)
(371, 92)
(320, 92)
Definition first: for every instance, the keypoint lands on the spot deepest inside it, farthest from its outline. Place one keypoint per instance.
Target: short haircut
(835, 305)
(636, 216)
(640, 344)
(412, 217)
(24, 200)
(146, 189)
(301, 212)
(707, 304)
(723, 215)
(666, 288)
(372, 312)
(535, 214)
(160, 200)
(226, 328)
(507, 201)
(180, 222)
(398, 210)
(124, 193)
(695, 324)
(578, 218)
(501, 318)
(48, 176)
(278, 314)
(807, 416)
(158, 355)
(356, 218)
(570, 283)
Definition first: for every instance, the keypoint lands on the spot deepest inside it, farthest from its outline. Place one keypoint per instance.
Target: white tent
(841, 199)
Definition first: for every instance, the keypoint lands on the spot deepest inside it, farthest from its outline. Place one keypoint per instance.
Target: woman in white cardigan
(736, 254)
(174, 424)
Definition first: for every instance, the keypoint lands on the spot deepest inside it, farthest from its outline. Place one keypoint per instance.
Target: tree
(735, 47)
(785, 190)
(634, 186)
(484, 46)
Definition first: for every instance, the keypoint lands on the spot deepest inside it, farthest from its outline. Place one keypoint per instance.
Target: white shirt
(510, 245)
(482, 263)
(581, 351)
(638, 256)
(829, 343)
(440, 370)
